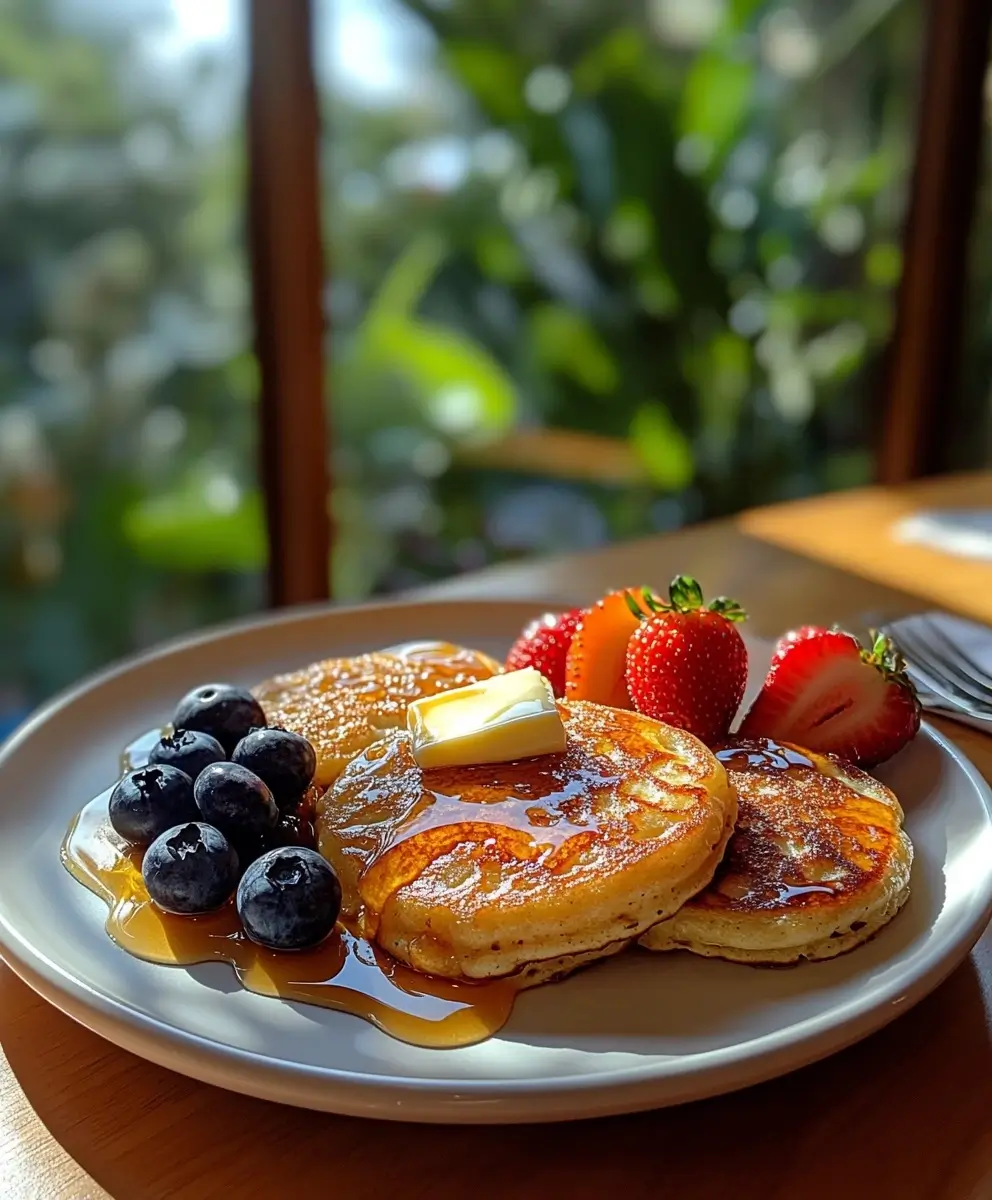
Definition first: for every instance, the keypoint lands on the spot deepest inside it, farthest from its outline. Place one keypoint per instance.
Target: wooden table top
(906, 1113)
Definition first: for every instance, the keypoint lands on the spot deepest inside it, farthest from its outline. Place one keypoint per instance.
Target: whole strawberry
(544, 645)
(827, 692)
(687, 662)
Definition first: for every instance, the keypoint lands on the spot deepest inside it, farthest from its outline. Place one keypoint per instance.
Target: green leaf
(632, 604)
(182, 531)
(658, 294)
(241, 380)
(618, 55)
(728, 608)
(459, 386)
(685, 594)
(740, 13)
(773, 244)
(715, 98)
(408, 279)
(629, 232)
(731, 365)
(462, 389)
(875, 173)
(494, 77)
(662, 447)
(805, 306)
(499, 256)
(883, 264)
(567, 342)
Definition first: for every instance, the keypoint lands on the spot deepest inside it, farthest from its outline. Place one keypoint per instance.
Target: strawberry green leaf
(654, 605)
(632, 604)
(685, 594)
(728, 608)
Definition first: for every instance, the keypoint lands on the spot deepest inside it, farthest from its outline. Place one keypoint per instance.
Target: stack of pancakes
(818, 862)
(758, 853)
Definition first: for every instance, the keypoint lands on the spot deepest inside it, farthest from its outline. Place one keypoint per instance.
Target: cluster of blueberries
(218, 807)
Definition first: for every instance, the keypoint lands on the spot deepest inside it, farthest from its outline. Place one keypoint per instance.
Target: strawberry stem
(884, 653)
(886, 656)
(685, 596)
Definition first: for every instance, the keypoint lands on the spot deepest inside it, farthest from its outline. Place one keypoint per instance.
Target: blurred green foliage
(127, 395)
(670, 224)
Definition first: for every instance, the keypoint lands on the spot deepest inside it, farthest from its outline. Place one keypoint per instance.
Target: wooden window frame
(287, 263)
(926, 349)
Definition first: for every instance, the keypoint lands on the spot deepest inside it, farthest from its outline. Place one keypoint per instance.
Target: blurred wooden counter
(907, 1113)
(854, 531)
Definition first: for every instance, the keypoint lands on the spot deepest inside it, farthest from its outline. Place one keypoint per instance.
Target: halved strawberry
(544, 645)
(597, 657)
(687, 662)
(826, 692)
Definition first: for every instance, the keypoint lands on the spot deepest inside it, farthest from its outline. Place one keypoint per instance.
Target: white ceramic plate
(635, 1032)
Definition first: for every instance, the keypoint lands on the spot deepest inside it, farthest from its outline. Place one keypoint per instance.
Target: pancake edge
(839, 941)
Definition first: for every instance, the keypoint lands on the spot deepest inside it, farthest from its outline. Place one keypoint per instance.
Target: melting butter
(496, 720)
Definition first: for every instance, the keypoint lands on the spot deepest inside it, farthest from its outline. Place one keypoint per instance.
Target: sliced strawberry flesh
(821, 693)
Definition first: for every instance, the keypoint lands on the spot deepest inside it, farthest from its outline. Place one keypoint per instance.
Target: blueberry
(188, 749)
(190, 868)
(225, 712)
(250, 846)
(150, 800)
(304, 807)
(293, 830)
(286, 761)
(289, 899)
(235, 800)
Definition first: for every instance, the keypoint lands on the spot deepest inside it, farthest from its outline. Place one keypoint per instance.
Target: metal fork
(944, 680)
(933, 658)
(954, 656)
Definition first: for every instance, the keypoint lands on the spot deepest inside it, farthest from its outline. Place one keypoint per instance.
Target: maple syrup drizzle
(740, 889)
(346, 972)
(769, 755)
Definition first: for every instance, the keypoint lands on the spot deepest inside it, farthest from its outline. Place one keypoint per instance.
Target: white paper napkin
(965, 532)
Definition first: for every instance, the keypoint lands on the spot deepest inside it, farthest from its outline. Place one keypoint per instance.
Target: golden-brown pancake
(532, 867)
(342, 705)
(818, 862)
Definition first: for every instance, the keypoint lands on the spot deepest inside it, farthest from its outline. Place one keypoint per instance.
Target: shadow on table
(907, 1113)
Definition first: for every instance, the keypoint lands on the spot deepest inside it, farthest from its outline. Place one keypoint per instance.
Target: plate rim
(451, 1098)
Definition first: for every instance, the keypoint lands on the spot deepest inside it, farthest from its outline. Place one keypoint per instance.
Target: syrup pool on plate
(345, 972)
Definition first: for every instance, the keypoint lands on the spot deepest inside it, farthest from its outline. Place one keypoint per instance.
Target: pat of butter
(500, 719)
